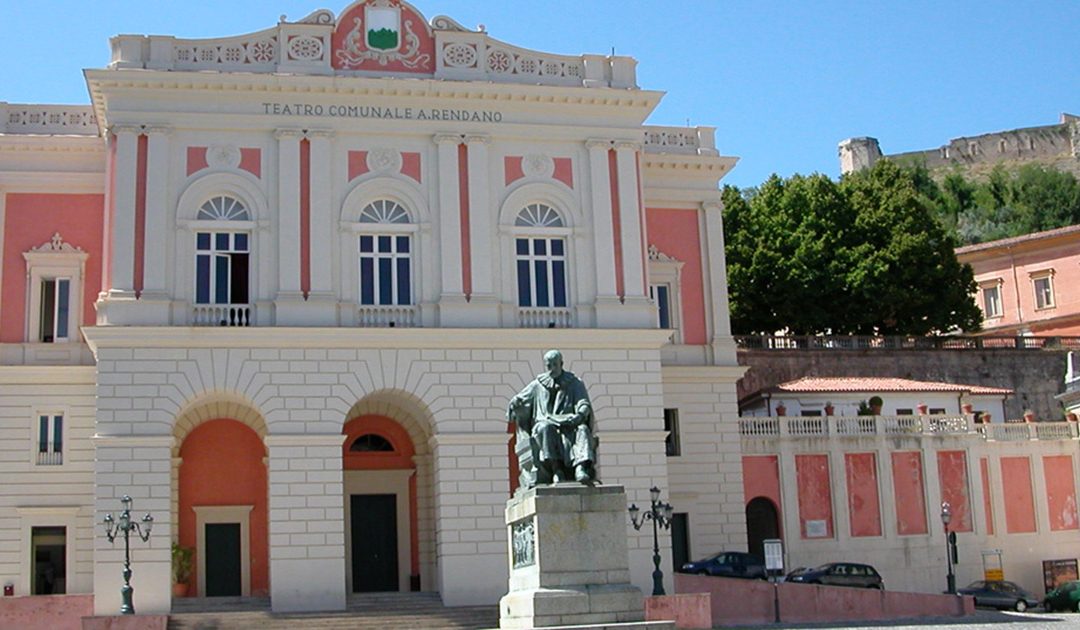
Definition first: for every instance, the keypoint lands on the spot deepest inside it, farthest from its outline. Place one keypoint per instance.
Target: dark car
(839, 574)
(728, 564)
(1065, 597)
(999, 594)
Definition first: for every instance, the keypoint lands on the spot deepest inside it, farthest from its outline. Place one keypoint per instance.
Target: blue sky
(782, 82)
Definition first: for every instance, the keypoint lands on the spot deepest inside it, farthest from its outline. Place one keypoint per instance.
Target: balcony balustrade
(221, 315)
(388, 316)
(895, 426)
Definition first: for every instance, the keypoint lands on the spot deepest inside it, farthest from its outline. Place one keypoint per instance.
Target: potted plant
(181, 569)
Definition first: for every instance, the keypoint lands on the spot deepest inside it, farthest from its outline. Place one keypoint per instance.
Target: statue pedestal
(568, 559)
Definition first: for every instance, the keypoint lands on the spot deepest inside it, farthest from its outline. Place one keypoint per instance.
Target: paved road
(983, 619)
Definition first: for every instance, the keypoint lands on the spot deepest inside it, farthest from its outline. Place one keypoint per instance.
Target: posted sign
(774, 554)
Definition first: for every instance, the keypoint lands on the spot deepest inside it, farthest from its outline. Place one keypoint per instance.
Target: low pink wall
(688, 610)
(738, 602)
(126, 622)
(45, 612)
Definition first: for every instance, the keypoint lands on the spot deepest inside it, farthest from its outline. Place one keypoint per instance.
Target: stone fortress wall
(1057, 146)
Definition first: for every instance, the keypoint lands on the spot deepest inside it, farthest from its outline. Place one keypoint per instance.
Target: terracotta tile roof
(872, 384)
(1016, 240)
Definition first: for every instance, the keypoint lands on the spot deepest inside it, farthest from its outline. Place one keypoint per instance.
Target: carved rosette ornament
(305, 48)
(223, 156)
(384, 160)
(538, 165)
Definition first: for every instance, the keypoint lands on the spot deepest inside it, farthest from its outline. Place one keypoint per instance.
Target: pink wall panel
(1019, 498)
(988, 505)
(32, 219)
(1060, 492)
(815, 493)
(761, 478)
(908, 493)
(675, 233)
(410, 165)
(952, 475)
(250, 160)
(864, 505)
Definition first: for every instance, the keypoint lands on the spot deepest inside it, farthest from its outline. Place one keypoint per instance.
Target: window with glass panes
(385, 269)
(541, 272)
(992, 301)
(50, 440)
(1044, 292)
(55, 310)
(661, 296)
(221, 267)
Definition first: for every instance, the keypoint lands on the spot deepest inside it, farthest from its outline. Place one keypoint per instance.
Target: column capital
(598, 143)
(447, 138)
(628, 145)
(288, 134)
(712, 206)
(322, 134)
(478, 139)
(159, 130)
(116, 130)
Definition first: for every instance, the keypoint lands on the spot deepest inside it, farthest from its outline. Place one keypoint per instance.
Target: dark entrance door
(374, 542)
(680, 540)
(223, 560)
(762, 523)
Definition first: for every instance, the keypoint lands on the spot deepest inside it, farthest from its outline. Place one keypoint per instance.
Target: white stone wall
(455, 384)
(36, 495)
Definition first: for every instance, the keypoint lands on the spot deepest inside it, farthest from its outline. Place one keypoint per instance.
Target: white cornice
(36, 374)
(715, 165)
(47, 182)
(702, 374)
(388, 338)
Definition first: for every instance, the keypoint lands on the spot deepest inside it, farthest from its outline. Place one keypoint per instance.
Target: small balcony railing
(221, 315)
(539, 317)
(50, 458)
(388, 316)
(895, 426)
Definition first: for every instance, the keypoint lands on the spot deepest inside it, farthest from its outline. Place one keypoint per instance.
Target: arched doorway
(222, 508)
(762, 523)
(381, 530)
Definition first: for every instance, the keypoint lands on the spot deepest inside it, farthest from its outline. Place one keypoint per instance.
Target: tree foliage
(865, 255)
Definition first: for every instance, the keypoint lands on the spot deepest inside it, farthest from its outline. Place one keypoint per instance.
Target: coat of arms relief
(378, 37)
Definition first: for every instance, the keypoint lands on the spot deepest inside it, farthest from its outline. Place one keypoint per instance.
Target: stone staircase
(364, 611)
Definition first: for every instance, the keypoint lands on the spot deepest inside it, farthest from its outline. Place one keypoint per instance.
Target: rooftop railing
(803, 427)
(861, 342)
(70, 120)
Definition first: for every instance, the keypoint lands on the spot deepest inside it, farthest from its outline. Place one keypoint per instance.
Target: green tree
(867, 255)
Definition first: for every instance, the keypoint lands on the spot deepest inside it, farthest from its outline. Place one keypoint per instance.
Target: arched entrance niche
(762, 523)
(389, 528)
(221, 497)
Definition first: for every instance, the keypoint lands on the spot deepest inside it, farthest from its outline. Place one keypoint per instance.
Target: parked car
(1000, 594)
(839, 574)
(1065, 597)
(728, 564)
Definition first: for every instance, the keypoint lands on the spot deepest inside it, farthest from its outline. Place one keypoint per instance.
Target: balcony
(221, 315)
(540, 317)
(50, 458)
(388, 316)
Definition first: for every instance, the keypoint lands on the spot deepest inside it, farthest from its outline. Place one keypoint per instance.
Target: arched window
(371, 443)
(540, 258)
(222, 270)
(223, 208)
(385, 255)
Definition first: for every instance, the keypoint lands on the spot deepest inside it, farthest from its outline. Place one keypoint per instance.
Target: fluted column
(322, 220)
(156, 226)
(122, 224)
(449, 219)
(288, 211)
(712, 246)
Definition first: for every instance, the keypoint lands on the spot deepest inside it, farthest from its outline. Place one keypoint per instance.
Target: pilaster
(603, 230)
(307, 523)
(288, 211)
(122, 239)
(712, 247)
(154, 300)
(320, 309)
(452, 293)
(637, 310)
(484, 305)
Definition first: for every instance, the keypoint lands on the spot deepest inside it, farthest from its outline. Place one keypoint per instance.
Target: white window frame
(214, 253)
(996, 286)
(667, 271)
(393, 230)
(54, 260)
(35, 434)
(548, 234)
(1036, 277)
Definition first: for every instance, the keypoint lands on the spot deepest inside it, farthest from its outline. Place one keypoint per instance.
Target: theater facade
(279, 287)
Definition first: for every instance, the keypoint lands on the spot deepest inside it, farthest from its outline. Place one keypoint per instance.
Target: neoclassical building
(279, 287)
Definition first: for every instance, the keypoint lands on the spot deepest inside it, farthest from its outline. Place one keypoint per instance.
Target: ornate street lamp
(660, 515)
(946, 518)
(124, 526)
